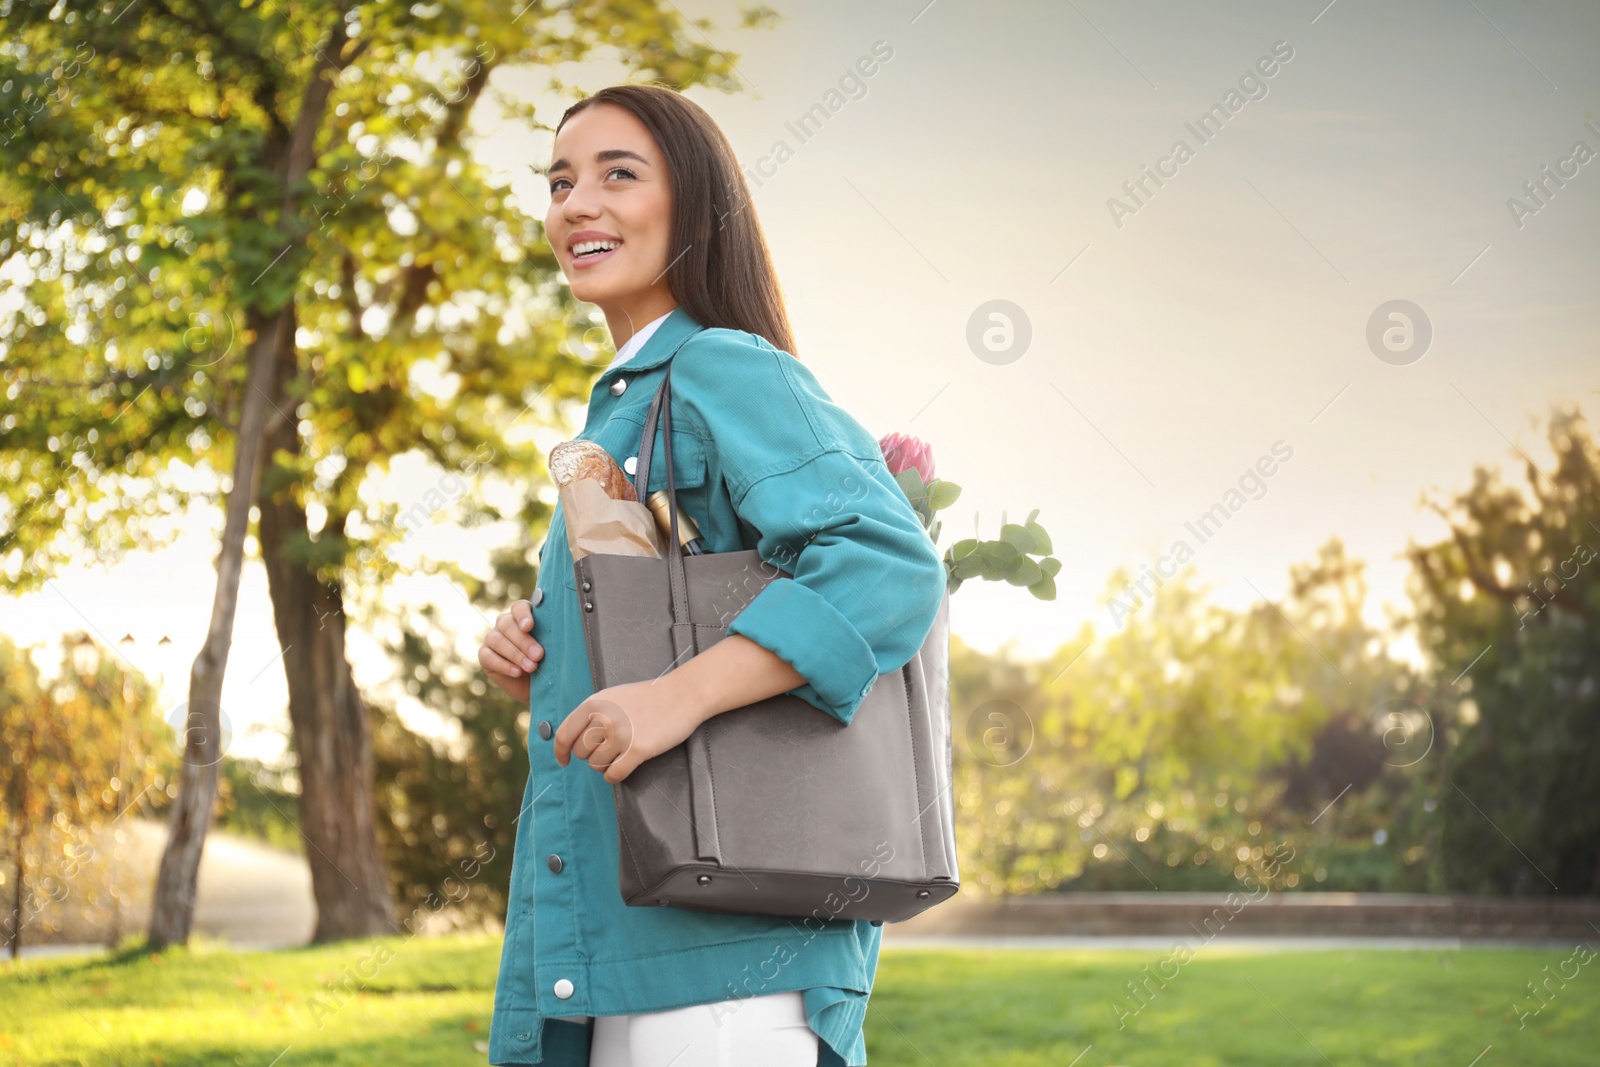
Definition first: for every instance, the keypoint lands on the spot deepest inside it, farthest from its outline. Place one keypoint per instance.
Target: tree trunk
(20, 821)
(331, 736)
(172, 910)
(291, 152)
(16, 903)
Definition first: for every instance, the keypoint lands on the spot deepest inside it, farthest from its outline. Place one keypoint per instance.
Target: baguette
(578, 458)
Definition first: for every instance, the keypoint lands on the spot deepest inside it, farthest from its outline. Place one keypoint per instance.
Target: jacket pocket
(688, 458)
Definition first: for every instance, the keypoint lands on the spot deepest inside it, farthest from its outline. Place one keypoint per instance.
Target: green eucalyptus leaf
(910, 483)
(942, 494)
(1000, 552)
(1041, 540)
(971, 566)
(1013, 534)
(1044, 588)
(1024, 572)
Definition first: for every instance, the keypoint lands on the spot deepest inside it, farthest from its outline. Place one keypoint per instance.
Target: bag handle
(707, 837)
(683, 642)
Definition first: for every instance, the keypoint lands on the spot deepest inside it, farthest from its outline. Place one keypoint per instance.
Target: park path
(249, 894)
(252, 894)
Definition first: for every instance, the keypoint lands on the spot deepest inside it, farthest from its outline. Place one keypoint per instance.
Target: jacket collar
(678, 327)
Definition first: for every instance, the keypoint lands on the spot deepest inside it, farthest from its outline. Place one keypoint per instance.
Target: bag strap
(683, 642)
(708, 841)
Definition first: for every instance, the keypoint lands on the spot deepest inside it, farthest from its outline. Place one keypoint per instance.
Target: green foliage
(176, 177)
(1507, 607)
(1172, 753)
(450, 800)
(75, 753)
(1183, 751)
(182, 179)
(254, 800)
(1009, 559)
(441, 797)
(442, 815)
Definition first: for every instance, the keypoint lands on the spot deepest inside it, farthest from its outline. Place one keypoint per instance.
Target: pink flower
(903, 452)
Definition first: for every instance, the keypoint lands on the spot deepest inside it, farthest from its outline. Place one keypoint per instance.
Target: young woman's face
(608, 190)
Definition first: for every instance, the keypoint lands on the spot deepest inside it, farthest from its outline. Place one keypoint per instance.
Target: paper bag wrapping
(598, 523)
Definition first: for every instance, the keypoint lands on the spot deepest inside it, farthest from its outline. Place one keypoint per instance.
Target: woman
(650, 220)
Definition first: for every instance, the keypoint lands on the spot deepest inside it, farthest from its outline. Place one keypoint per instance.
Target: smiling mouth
(595, 249)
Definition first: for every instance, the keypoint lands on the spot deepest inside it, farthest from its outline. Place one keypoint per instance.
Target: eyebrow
(599, 157)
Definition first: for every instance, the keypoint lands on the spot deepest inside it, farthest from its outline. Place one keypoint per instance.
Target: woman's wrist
(730, 674)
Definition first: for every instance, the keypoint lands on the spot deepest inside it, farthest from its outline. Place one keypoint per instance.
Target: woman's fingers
(511, 681)
(603, 739)
(592, 734)
(507, 652)
(517, 644)
(612, 747)
(514, 651)
(599, 744)
(493, 662)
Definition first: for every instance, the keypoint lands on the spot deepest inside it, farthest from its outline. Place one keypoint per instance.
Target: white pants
(769, 1030)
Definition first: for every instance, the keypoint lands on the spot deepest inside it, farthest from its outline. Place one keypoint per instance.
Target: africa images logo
(1251, 485)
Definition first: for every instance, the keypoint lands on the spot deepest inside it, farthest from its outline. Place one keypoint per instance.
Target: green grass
(427, 1002)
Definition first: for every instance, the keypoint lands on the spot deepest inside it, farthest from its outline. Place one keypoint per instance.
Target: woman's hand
(616, 729)
(509, 653)
(619, 728)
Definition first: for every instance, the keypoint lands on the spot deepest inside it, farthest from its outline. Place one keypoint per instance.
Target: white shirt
(636, 342)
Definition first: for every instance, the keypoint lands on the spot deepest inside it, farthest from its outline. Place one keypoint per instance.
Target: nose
(581, 202)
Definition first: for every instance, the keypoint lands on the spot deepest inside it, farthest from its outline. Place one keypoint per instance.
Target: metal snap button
(631, 465)
(619, 386)
(545, 729)
(588, 605)
(585, 587)
(554, 863)
(538, 597)
(563, 988)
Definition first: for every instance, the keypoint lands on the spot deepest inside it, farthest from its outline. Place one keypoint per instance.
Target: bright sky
(1370, 159)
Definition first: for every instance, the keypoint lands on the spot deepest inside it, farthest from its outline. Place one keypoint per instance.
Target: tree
(206, 190)
(451, 805)
(1506, 609)
(1171, 753)
(70, 749)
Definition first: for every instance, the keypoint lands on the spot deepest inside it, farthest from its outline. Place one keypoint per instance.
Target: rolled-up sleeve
(811, 482)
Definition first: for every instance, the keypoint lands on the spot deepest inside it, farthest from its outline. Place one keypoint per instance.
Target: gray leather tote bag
(775, 808)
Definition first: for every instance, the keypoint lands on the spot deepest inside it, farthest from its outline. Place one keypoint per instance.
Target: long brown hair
(721, 271)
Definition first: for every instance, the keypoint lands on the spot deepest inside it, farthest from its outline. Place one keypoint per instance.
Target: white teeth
(586, 247)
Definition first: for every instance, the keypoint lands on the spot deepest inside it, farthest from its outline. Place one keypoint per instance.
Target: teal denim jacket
(763, 459)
